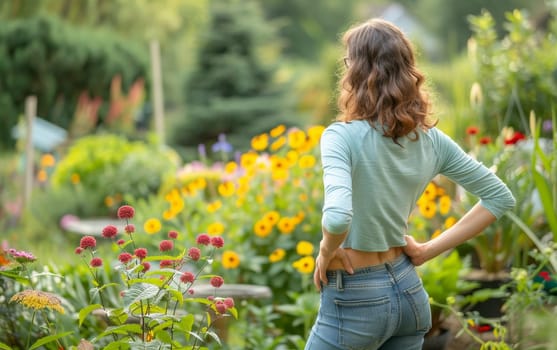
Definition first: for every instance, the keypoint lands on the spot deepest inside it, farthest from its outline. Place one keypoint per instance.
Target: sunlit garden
(161, 182)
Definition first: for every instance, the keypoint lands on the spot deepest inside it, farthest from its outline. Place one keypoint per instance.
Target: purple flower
(222, 145)
(547, 125)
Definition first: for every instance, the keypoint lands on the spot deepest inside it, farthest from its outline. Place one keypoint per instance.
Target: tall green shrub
(232, 89)
(45, 57)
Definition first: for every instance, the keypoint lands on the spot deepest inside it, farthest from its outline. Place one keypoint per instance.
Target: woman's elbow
(336, 223)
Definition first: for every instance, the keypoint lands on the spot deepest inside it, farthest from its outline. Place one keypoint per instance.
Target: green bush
(56, 62)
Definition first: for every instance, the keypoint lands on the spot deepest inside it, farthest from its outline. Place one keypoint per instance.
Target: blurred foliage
(517, 73)
(232, 89)
(48, 58)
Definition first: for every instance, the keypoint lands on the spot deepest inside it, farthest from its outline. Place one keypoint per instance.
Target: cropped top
(371, 184)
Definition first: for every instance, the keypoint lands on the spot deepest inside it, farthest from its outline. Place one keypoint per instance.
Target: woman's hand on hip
(322, 262)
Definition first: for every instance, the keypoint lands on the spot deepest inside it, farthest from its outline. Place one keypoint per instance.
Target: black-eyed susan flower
(260, 142)
(152, 226)
(230, 259)
(296, 138)
(427, 209)
(38, 300)
(304, 265)
(307, 161)
(278, 144)
(215, 228)
(248, 160)
(278, 130)
(450, 221)
(304, 248)
(226, 188)
(444, 204)
(230, 167)
(286, 225)
(272, 217)
(75, 178)
(277, 255)
(430, 192)
(262, 228)
(214, 206)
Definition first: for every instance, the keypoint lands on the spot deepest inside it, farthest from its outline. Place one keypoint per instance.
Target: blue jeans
(382, 307)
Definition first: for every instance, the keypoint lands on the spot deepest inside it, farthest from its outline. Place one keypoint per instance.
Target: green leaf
(118, 345)
(123, 329)
(86, 311)
(5, 347)
(49, 339)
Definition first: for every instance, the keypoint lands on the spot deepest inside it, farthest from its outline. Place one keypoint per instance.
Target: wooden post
(158, 101)
(30, 113)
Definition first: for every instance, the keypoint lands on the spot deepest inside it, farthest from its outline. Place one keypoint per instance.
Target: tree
(232, 89)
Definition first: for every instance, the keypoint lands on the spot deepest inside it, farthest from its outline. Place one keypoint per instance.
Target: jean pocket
(363, 323)
(419, 301)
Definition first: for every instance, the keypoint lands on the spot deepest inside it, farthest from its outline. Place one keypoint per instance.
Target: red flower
(141, 253)
(203, 239)
(126, 212)
(120, 242)
(96, 262)
(486, 140)
(187, 277)
(166, 263)
(545, 275)
(172, 234)
(166, 245)
(129, 228)
(146, 266)
(88, 242)
(217, 242)
(125, 258)
(517, 136)
(217, 281)
(472, 130)
(194, 253)
(109, 231)
(220, 306)
(78, 250)
(229, 302)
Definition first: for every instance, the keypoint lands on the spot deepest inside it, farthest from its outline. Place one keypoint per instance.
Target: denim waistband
(398, 265)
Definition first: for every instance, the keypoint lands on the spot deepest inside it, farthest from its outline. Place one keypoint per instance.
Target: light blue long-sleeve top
(372, 184)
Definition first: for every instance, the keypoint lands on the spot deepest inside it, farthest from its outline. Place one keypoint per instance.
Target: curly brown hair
(382, 83)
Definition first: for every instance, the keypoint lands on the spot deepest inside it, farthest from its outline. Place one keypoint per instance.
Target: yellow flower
(248, 160)
(427, 209)
(277, 131)
(230, 259)
(42, 175)
(75, 179)
(286, 225)
(226, 189)
(47, 160)
(152, 226)
(262, 228)
(260, 142)
(278, 143)
(214, 206)
(436, 233)
(230, 167)
(430, 192)
(315, 132)
(108, 201)
(304, 248)
(216, 228)
(304, 265)
(37, 300)
(177, 205)
(277, 255)
(172, 195)
(450, 221)
(296, 138)
(168, 214)
(278, 175)
(444, 204)
(272, 217)
(307, 161)
(278, 163)
(292, 157)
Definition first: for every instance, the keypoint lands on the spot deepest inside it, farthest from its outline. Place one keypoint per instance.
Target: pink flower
(191, 291)
(187, 277)
(172, 234)
(126, 212)
(194, 253)
(109, 231)
(125, 258)
(96, 262)
(129, 228)
(78, 250)
(217, 242)
(21, 256)
(141, 253)
(120, 242)
(220, 306)
(166, 263)
(203, 239)
(229, 302)
(216, 281)
(88, 242)
(146, 266)
(166, 245)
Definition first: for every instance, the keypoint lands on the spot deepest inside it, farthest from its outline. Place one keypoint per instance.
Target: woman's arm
(328, 250)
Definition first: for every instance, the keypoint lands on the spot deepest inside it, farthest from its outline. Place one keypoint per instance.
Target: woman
(377, 160)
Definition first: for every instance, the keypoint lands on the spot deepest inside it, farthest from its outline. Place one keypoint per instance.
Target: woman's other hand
(415, 251)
